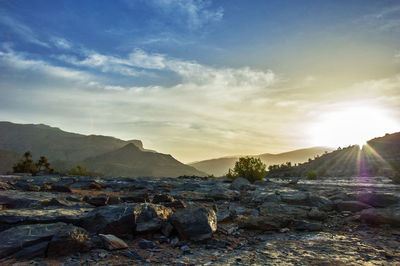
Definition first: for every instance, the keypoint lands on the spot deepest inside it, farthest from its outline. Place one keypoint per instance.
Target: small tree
(79, 170)
(26, 165)
(248, 167)
(311, 175)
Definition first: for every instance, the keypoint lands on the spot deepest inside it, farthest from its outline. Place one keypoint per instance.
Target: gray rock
(132, 255)
(34, 251)
(149, 217)
(264, 223)
(146, 244)
(282, 209)
(316, 214)
(377, 200)
(194, 223)
(240, 183)
(307, 226)
(118, 220)
(112, 242)
(353, 206)
(160, 198)
(390, 216)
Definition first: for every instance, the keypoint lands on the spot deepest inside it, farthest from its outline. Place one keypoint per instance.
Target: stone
(149, 217)
(296, 198)
(377, 200)
(176, 204)
(167, 229)
(185, 249)
(162, 198)
(101, 200)
(34, 251)
(282, 209)
(351, 205)
(307, 226)
(112, 242)
(132, 255)
(194, 223)
(118, 220)
(57, 238)
(240, 183)
(264, 223)
(316, 214)
(95, 185)
(146, 244)
(390, 216)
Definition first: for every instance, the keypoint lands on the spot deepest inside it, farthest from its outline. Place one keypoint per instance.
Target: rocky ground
(72, 220)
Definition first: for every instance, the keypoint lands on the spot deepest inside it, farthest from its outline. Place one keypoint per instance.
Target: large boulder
(57, 239)
(118, 220)
(112, 242)
(390, 216)
(149, 217)
(194, 223)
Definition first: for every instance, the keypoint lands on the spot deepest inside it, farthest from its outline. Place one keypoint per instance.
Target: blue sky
(199, 79)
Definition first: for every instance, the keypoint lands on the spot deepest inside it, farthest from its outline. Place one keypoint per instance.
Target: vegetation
(248, 167)
(26, 165)
(79, 170)
(312, 175)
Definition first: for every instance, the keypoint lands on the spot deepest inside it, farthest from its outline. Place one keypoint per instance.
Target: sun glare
(354, 125)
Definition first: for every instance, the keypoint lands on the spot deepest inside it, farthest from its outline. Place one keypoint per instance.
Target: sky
(201, 79)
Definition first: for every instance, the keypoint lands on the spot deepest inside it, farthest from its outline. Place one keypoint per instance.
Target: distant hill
(130, 159)
(381, 156)
(220, 166)
(107, 154)
(7, 160)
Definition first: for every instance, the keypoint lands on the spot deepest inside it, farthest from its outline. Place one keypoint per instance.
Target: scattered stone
(307, 226)
(185, 249)
(132, 255)
(353, 206)
(112, 242)
(389, 216)
(162, 198)
(240, 183)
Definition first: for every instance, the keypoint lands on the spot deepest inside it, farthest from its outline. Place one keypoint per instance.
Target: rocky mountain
(101, 154)
(220, 166)
(130, 159)
(7, 160)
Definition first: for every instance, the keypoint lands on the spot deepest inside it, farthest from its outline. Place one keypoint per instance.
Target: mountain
(7, 160)
(130, 159)
(380, 156)
(102, 154)
(220, 166)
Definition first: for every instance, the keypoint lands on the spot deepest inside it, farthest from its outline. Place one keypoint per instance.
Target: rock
(149, 217)
(353, 206)
(223, 194)
(282, 209)
(307, 226)
(264, 223)
(240, 183)
(185, 249)
(194, 223)
(316, 214)
(162, 198)
(390, 216)
(69, 239)
(223, 215)
(377, 200)
(95, 185)
(176, 204)
(118, 220)
(33, 188)
(146, 244)
(114, 200)
(97, 201)
(31, 240)
(100, 254)
(112, 242)
(167, 229)
(142, 195)
(132, 255)
(18, 199)
(60, 188)
(295, 197)
(34, 251)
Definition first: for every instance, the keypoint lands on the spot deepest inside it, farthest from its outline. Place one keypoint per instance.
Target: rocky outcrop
(149, 217)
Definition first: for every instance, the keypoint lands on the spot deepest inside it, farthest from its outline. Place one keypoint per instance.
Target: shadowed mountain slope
(7, 160)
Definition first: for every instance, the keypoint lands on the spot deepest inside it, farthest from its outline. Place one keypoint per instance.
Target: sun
(351, 125)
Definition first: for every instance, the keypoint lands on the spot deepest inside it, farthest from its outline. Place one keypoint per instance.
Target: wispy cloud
(61, 43)
(22, 30)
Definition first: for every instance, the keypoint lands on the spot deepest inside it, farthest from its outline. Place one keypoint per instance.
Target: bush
(248, 167)
(312, 175)
(79, 170)
(26, 165)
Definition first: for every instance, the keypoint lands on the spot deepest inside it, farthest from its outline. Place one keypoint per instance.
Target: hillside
(7, 160)
(102, 154)
(220, 166)
(381, 156)
(130, 160)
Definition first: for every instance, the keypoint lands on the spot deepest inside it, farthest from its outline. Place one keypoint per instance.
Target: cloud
(61, 43)
(195, 13)
(22, 30)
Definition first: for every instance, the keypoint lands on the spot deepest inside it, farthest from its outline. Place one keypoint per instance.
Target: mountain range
(100, 154)
(220, 166)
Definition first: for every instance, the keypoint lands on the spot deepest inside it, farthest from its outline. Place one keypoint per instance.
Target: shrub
(312, 175)
(248, 167)
(26, 165)
(79, 170)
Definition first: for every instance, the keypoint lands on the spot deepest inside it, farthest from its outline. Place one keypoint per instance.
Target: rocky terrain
(74, 220)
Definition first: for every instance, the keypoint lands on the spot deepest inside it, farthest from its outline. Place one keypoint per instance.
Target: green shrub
(312, 175)
(79, 170)
(248, 167)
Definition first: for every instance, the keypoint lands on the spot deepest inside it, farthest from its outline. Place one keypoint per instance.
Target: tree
(26, 165)
(248, 167)
(79, 170)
